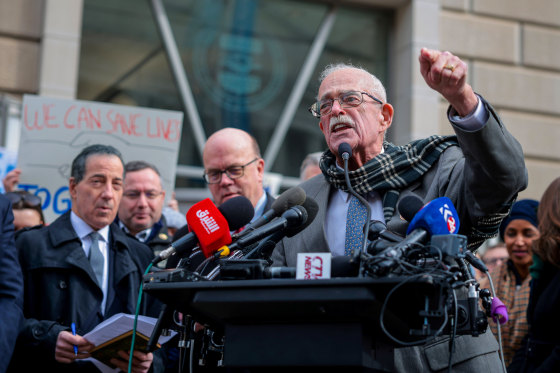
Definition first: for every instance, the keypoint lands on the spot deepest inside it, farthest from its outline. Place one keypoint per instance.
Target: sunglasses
(30, 200)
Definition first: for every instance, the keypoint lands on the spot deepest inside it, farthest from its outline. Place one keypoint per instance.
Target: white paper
(119, 324)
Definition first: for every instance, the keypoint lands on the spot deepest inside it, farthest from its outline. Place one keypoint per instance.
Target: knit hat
(526, 209)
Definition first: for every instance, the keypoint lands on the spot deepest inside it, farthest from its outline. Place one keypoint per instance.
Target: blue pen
(74, 333)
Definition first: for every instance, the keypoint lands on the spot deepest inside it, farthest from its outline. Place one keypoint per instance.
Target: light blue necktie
(355, 220)
(96, 259)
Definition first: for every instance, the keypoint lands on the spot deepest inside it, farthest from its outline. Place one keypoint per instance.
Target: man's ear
(386, 116)
(260, 168)
(72, 187)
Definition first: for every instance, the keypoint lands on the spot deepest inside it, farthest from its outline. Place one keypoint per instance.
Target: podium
(318, 325)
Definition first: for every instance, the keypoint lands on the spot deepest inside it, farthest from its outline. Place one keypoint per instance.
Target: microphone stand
(345, 156)
(161, 324)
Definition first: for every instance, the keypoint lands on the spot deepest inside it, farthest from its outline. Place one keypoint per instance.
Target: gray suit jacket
(480, 177)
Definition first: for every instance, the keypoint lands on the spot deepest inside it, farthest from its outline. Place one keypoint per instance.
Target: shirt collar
(83, 229)
(141, 236)
(259, 208)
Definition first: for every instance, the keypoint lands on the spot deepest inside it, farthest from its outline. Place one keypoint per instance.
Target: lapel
(319, 190)
(121, 265)
(68, 245)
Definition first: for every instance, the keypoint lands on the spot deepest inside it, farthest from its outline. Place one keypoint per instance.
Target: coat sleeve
(486, 181)
(11, 286)
(37, 337)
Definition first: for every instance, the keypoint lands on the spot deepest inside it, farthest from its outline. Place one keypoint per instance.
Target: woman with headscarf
(511, 280)
(540, 351)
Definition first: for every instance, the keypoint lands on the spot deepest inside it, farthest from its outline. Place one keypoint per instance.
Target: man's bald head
(231, 147)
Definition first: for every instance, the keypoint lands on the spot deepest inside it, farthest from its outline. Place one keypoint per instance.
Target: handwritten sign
(54, 131)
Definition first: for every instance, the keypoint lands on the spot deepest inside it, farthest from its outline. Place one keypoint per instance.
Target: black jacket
(60, 288)
(11, 285)
(540, 349)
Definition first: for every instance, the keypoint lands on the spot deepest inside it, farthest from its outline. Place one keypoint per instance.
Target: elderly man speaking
(481, 170)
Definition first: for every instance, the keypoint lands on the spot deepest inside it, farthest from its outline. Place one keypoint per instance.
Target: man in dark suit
(11, 285)
(80, 269)
(481, 170)
(140, 210)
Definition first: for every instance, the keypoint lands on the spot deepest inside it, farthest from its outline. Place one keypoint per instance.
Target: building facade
(253, 64)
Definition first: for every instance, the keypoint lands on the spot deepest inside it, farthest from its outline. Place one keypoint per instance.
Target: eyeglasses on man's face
(346, 100)
(135, 194)
(233, 172)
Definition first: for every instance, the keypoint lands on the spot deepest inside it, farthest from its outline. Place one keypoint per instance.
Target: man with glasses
(233, 167)
(140, 210)
(481, 170)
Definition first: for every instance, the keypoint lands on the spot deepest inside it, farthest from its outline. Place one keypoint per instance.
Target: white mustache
(340, 119)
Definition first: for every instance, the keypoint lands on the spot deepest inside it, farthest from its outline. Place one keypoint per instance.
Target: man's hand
(447, 74)
(11, 180)
(141, 361)
(64, 350)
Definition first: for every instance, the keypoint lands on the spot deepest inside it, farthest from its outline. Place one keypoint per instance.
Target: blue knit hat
(526, 209)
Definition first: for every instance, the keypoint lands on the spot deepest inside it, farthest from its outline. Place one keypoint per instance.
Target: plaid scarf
(398, 167)
(389, 172)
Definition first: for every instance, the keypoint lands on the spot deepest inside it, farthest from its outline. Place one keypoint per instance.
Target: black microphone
(295, 216)
(265, 247)
(344, 266)
(345, 152)
(236, 212)
(409, 206)
(438, 217)
(291, 197)
(475, 262)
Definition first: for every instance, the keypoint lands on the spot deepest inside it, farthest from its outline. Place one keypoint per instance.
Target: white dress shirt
(83, 230)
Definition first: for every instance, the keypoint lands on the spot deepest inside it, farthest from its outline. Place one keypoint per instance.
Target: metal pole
(299, 88)
(164, 28)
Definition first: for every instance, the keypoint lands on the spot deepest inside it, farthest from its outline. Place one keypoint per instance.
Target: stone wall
(513, 51)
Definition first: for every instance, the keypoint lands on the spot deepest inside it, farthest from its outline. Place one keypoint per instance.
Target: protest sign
(54, 131)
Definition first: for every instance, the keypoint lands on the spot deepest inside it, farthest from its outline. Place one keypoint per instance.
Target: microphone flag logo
(438, 216)
(207, 221)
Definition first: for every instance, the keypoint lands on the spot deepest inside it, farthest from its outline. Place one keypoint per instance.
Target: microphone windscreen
(436, 217)
(311, 208)
(409, 206)
(345, 148)
(238, 212)
(209, 225)
(291, 197)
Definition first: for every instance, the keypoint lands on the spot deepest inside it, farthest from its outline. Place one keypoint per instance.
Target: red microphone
(210, 227)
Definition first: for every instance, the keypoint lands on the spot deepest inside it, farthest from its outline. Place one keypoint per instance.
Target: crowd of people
(87, 265)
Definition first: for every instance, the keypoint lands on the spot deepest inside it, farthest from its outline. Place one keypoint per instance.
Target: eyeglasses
(29, 200)
(346, 100)
(494, 261)
(135, 194)
(233, 172)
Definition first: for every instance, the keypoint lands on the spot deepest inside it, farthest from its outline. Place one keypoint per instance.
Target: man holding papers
(80, 269)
